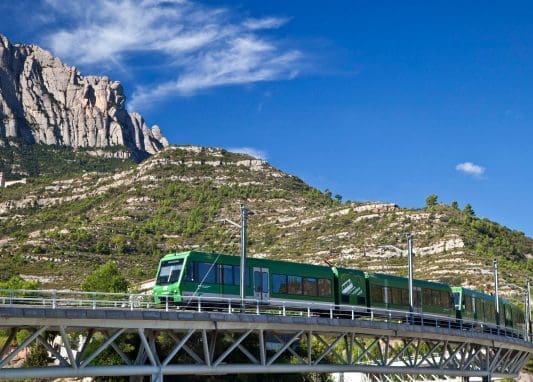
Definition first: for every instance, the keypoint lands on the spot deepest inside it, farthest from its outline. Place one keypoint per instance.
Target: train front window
(457, 300)
(169, 272)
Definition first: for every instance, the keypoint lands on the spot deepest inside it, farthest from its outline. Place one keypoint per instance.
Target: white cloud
(470, 168)
(196, 47)
(259, 154)
(266, 23)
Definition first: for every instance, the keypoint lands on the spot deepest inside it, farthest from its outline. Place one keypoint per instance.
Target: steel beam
(376, 348)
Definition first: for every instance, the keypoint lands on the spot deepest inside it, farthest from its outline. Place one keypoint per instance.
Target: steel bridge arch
(253, 344)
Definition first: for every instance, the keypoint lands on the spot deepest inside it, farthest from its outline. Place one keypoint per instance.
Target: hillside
(57, 229)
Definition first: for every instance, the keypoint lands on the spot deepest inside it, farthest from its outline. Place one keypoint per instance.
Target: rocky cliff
(45, 101)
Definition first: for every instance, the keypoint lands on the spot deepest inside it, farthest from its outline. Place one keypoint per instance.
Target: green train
(188, 276)
(472, 305)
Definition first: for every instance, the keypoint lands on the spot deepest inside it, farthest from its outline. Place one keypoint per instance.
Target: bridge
(90, 334)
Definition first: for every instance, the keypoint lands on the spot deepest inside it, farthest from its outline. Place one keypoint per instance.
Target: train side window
(468, 303)
(310, 286)
(378, 294)
(417, 298)
(192, 271)
(479, 307)
(237, 275)
(445, 299)
(396, 296)
(227, 274)
(324, 287)
(207, 273)
(435, 297)
(426, 296)
(295, 285)
(279, 283)
(405, 297)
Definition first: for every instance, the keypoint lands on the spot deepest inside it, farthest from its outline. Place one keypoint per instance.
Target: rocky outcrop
(45, 101)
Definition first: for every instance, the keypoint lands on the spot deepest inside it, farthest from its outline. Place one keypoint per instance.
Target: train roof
(276, 265)
(478, 294)
(398, 280)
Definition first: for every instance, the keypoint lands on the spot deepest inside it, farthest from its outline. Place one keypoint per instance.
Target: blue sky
(388, 101)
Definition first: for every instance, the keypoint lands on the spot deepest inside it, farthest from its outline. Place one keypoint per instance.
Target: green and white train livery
(183, 277)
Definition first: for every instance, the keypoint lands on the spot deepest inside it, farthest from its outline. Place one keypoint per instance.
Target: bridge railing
(101, 300)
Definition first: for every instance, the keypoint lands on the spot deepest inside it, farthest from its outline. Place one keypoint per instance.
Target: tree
(431, 200)
(37, 357)
(16, 282)
(455, 205)
(338, 197)
(469, 211)
(106, 278)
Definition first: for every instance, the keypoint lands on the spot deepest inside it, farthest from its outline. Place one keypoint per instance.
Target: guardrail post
(131, 301)
(283, 309)
(199, 305)
(353, 315)
(229, 306)
(257, 307)
(54, 299)
(94, 300)
(308, 311)
(166, 304)
(331, 312)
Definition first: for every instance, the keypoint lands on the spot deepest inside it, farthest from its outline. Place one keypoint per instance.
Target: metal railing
(99, 300)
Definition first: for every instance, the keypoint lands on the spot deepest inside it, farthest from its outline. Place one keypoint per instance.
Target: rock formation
(45, 101)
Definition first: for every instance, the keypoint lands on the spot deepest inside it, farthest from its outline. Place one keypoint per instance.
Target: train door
(261, 284)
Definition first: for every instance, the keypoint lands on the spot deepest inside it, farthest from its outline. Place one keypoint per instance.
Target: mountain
(102, 185)
(57, 230)
(43, 101)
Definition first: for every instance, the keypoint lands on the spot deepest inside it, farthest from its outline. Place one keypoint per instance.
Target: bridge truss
(125, 342)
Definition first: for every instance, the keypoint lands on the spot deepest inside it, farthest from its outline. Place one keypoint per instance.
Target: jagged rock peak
(45, 101)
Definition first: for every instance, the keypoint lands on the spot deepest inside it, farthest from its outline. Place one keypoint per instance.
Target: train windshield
(169, 272)
(457, 300)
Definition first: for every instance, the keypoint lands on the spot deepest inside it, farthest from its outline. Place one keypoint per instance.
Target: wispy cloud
(265, 23)
(470, 168)
(259, 154)
(197, 47)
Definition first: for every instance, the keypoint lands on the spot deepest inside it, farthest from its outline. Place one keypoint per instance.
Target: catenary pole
(244, 218)
(528, 310)
(495, 265)
(410, 270)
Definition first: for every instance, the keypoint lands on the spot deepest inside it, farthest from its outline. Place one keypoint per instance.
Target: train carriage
(350, 287)
(472, 305)
(185, 277)
(513, 317)
(190, 275)
(392, 292)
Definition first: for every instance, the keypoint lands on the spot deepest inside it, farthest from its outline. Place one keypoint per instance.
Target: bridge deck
(254, 343)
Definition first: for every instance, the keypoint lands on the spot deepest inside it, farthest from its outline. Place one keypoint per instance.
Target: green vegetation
(469, 211)
(431, 201)
(65, 227)
(16, 282)
(106, 278)
(19, 160)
